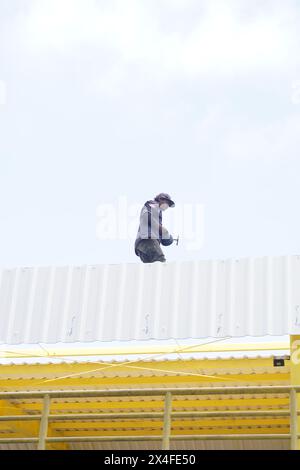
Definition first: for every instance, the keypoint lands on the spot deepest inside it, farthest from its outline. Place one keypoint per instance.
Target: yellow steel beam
(295, 397)
(94, 382)
(188, 423)
(158, 424)
(157, 437)
(64, 368)
(209, 366)
(28, 428)
(53, 351)
(223, 402)
(141, 430)
(157, 432)
(61, 417)
(23, 428)
(107, 418)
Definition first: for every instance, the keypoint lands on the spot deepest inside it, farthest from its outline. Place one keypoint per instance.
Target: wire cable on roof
(22, 354)
(127, 363)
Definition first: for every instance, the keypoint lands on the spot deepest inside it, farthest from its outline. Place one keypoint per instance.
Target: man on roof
(151, 233)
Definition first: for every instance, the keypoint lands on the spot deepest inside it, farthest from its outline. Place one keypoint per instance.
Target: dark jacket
(151, 224)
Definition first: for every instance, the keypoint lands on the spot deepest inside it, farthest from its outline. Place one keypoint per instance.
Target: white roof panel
(193, 299)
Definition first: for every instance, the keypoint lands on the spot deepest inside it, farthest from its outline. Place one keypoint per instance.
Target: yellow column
(167, 421)
(44, 423)
(295, 398)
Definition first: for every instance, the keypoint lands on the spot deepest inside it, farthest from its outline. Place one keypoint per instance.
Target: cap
(166, 197)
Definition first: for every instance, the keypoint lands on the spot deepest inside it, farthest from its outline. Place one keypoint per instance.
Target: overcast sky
(101, 100)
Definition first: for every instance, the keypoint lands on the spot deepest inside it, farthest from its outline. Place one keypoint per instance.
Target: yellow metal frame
(237, 412)
(168, 394)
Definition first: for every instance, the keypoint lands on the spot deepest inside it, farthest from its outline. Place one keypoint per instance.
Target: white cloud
(64, 24)
(178, 4)
(279, 139)
(223, 45)
(111, 83)
(241, 140)
(220, 43)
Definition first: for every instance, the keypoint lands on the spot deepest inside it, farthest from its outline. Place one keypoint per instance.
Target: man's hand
(167, 241)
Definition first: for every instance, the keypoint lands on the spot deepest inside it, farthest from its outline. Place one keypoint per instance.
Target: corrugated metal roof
(208, 298)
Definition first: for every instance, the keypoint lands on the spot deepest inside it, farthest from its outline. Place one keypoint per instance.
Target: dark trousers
(149, 251)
